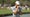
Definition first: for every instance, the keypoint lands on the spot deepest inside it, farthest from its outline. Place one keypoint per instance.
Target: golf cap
(17, 2)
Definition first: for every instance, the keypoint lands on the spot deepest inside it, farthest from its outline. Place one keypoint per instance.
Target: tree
(2, 3)
(8, 3)
(12, 2)
(28, 0)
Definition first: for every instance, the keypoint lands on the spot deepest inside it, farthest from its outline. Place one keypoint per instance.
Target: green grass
(7, 11)
(26, 10)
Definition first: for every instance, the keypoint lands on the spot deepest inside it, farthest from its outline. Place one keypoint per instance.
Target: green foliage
(12, 1)
(1, 1)
(28, 0)
(23, 0)
(5, 1)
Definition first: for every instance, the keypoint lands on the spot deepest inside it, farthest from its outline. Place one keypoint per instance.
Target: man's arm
(15, 11)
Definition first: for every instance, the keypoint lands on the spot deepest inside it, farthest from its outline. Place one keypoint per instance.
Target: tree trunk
(8, 3)
(2, 3)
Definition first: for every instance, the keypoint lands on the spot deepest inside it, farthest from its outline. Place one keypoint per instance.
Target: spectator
(26, 6)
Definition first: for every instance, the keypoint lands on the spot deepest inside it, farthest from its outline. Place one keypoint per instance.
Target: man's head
(17, 3)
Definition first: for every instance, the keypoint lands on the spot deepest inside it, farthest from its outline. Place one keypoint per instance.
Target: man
(26, 6)
(16, 9)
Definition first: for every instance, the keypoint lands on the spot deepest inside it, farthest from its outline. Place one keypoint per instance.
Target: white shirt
(13, 8)
(26, 6)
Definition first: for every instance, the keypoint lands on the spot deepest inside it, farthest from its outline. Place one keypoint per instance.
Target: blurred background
(6, 4)
(12, 2)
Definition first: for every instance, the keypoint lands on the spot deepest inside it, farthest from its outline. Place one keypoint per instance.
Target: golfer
(16, 9)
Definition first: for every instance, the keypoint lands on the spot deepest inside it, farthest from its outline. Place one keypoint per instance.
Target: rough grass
(26, 10)
(5, 11)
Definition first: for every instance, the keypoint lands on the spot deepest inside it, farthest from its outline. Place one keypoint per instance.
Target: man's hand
(17, 6)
